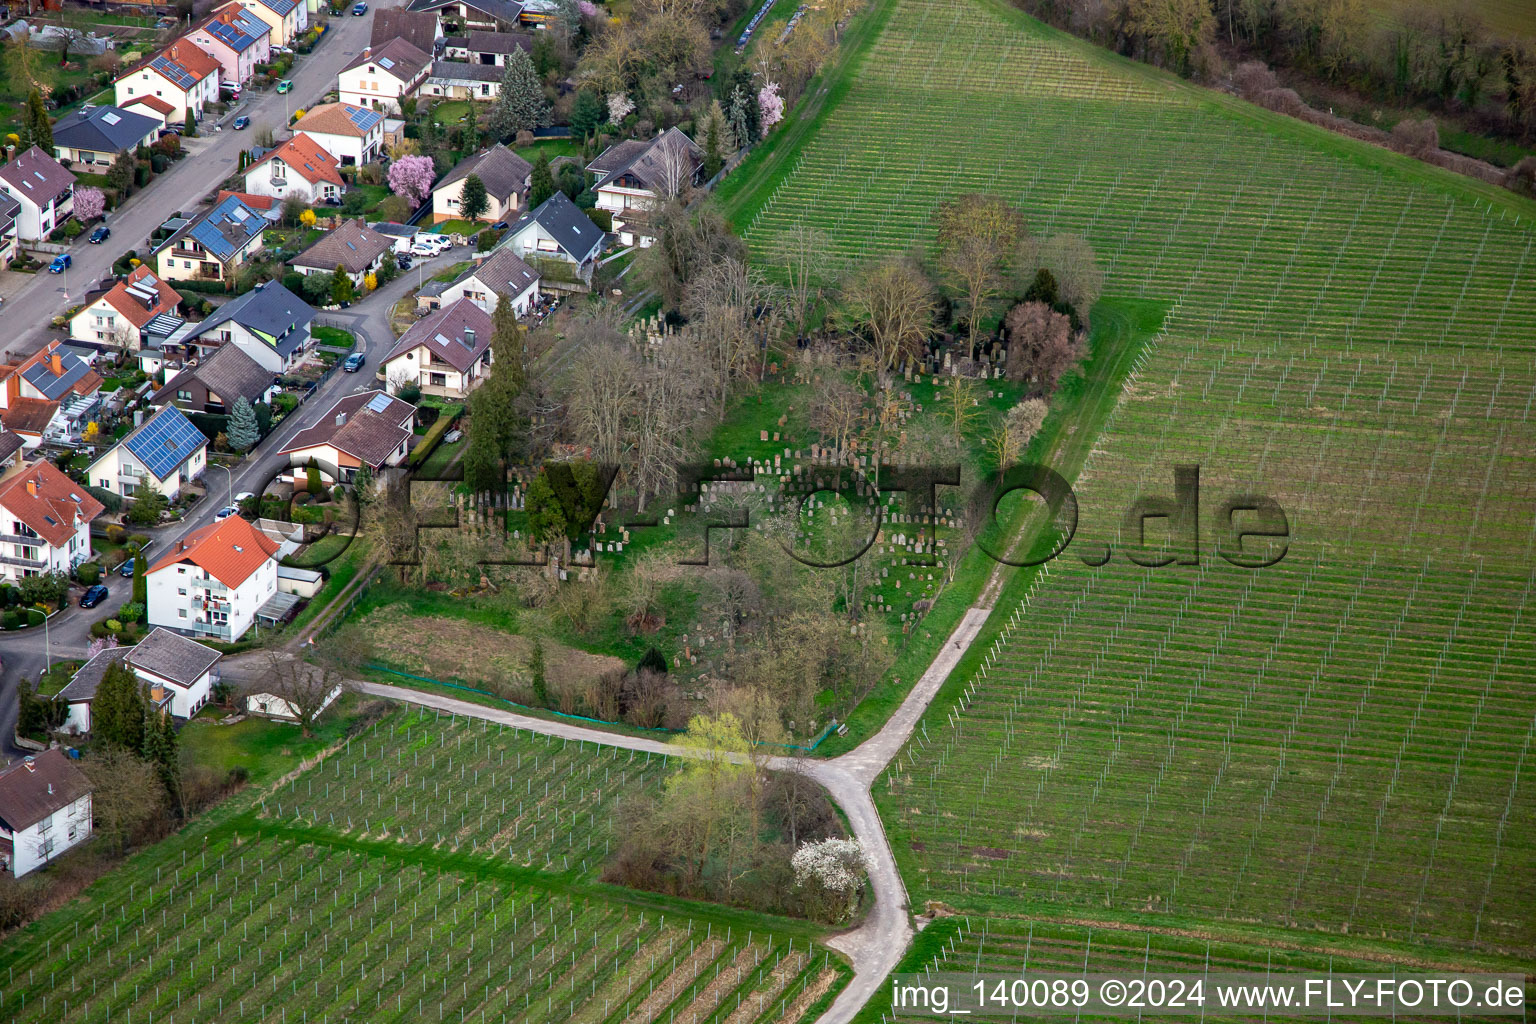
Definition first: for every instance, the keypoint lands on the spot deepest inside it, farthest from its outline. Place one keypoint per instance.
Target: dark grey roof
(565, 222)
(38, 176)
(82, 686)
(269, 310)
(502, 10)
(9, 209)
(10, 444)
(502, 171)
(369, 425)
(354, 246)
(503, 272)
(172, 656)
(459, 71)
(481, 41)
(38, 786)
(228, 372)
(648, 163)
(458, 334)
(105, 129)
(400, 57)
(417, 28)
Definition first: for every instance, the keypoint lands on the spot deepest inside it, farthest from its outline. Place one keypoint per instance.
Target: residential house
(214, 245)
(559, 241)
(236, 38)
(32, 420)
(162, 453)
(472, 14)
(505, 175)
(98, 135)
(155, 107)
(53, 374)
(268, 207)
(181, 77)
(369, 429)
(178, 673)
(288, 19)
(214, 581)
(45, 190)
(379, 76)
(635, 177)
(216, 382)
(45, 522)
(268, 323)
(500, 277)
(353, 134)
(45, 808)
(119, 315)
(12, 452)
(298, 167)
(493, 48)
(10, 244)
(456, 80)
(355, 247)
(447, 353)
(422, 29)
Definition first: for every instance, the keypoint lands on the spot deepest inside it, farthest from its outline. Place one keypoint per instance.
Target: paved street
(35, 299)
(32, 300)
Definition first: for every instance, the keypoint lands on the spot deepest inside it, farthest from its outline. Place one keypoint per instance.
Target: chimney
(341, 418)
(157, 692)
(57, 362)
(32, 487)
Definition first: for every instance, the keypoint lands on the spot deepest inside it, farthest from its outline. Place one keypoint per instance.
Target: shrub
(88, 572)
(133, 611)
(602, 218)
(114, 626)
(35, 616)
(11, 620)
(138, 538)
(72, 228)
(112, 502)
(117, 534)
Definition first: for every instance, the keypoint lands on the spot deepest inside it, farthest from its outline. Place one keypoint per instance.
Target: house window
(181, 613)
(185, 396)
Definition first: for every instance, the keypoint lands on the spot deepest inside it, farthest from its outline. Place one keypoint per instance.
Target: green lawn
(451, 111)
(334, 337)
(264, 748)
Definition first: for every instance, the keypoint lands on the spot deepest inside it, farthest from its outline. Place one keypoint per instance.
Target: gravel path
(877, 944)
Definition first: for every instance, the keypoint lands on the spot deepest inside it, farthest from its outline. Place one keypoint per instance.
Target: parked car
(500, 225)
(241, 123)
(243, 497)
(225, 513)
(403, 260)
(60, 262)
(358, 10)
(93, 596)
(101, 234)
(354, 363)
(174, 129)
(424, 248)
(127, 569)
(286, 85)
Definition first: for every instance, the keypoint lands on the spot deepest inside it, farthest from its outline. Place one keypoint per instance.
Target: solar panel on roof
(386, 63)
(165, 442)
(110, 118)
(379, 403)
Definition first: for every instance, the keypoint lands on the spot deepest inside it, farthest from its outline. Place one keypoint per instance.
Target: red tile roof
(229, 551)
(29, 415)
(133, 309)
(306, 157)
(49, 502)
(154, 103)
(250, 199)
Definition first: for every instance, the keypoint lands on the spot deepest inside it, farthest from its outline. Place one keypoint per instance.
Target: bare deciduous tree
(310, 687)
(1041, 347)
(891, 306)
(976, 234)
(127, 796)
(729, 318)
(804, 254)
(1079, 279)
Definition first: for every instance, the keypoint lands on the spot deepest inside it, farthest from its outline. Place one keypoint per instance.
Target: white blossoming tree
(832, 871)
(620, 106)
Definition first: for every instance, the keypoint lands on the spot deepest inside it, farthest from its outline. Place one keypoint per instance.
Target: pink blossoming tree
(411, 177)
(89, 203)
(771, 104)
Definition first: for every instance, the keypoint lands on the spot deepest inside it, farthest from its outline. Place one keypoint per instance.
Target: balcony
(218, 630)
(213, 587)
(25, 563)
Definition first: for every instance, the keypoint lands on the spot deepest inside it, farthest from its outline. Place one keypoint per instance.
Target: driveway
(34, 299)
